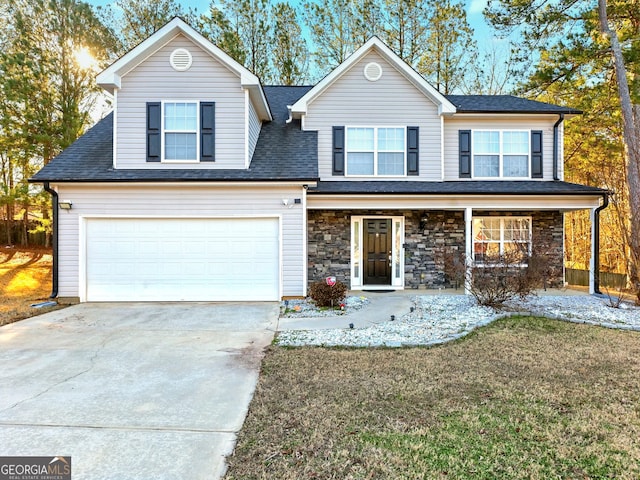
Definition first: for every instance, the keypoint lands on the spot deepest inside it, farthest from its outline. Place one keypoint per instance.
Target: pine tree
(450, 47)
(290, 52)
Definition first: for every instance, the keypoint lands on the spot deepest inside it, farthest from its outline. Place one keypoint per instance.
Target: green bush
(326, 296)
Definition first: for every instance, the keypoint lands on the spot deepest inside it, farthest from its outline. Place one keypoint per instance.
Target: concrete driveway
(132, 391)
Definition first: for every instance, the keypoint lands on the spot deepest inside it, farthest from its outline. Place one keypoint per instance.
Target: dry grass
(523, 398)
(25, 278)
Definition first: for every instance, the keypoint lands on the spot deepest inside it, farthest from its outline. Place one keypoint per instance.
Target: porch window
(498, 153)
(375, 151)
(180, 131)
(498, 236)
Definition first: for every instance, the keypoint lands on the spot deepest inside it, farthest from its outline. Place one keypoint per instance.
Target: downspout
(596, 240)
(555, 146)
(54, 239)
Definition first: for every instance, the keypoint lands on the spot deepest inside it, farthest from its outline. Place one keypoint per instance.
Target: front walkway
(381, 306)
(423, 317)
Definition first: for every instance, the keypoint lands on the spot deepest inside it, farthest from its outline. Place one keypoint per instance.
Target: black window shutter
(338, 150)
(536, 154)
(154, 139)
(413, 143)
(464, 151)
(207, 131)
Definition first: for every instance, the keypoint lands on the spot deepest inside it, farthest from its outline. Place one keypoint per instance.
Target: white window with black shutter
(180, 131)
(512, 154)
(364, 151)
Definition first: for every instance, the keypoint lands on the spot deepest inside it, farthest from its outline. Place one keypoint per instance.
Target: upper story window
(372, 151)
(501, 153)
(180, 120)
(497, 237)
(181, 131)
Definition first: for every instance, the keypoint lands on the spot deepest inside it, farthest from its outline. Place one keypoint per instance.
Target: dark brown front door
(377, 252)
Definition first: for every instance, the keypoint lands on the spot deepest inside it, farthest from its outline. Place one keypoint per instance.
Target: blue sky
(483, 33)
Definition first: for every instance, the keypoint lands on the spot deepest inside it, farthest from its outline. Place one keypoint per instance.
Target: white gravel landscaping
(441, 318)
(306, 308)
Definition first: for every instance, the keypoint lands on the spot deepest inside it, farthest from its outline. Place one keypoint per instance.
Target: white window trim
(501, 131)
(375, 151)
(397, 252)
(163, 132)
(502, 240)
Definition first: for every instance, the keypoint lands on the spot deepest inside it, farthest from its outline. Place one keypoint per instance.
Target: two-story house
(202, 184)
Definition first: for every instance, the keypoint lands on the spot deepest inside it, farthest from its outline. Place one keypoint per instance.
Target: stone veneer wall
(428, 234)
(547, 236)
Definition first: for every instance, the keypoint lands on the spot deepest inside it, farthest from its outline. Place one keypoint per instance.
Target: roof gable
(374, 43)
(110, 78)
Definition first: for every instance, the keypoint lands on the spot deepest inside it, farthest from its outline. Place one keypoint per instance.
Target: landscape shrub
(500, 278)
(327, 296)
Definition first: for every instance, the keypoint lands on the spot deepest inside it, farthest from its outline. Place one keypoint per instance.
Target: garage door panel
(182, 259)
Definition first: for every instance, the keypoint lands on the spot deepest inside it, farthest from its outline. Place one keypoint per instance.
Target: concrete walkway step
(379, 309)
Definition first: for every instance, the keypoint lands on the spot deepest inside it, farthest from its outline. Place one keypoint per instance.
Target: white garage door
(142, 259)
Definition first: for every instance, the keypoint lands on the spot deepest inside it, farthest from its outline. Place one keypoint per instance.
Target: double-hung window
(495, 237)
(372, 151)
(501, 153)
(180, 131)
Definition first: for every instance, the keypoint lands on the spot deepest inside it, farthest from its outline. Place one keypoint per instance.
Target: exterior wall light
(65, 204)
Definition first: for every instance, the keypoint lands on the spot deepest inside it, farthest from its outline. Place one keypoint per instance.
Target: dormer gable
(111, 78)
(445, 107)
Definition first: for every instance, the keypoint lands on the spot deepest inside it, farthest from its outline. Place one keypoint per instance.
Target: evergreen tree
(290, 53)
(450, 47)
(45, 92)
(136, 20)
(242, 28)
(406, 28)
(332, 27)
(579, 50)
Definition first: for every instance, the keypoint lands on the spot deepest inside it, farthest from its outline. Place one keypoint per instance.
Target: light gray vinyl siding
(352, 100)
(155, 80)
(254, 128)
(505, 122)
(177, 201)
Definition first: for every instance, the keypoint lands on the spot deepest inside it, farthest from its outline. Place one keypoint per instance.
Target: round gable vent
(372, 71)
(180, 59)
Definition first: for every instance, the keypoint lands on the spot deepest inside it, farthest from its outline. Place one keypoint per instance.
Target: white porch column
(468, 250)
(594, 250)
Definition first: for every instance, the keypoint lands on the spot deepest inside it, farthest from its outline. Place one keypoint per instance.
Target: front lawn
(25, 278)
(522, 398)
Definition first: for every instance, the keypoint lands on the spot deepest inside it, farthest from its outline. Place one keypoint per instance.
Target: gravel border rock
(441, 318)
(306, 308)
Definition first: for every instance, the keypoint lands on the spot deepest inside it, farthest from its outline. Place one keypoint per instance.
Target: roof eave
(566, 113)
(175, 180)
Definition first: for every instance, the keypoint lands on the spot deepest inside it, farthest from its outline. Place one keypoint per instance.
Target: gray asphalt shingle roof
(283, 152)
(504, 104)
(497, 187)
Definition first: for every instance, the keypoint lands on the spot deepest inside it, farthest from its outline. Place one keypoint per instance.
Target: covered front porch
(369, 247)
